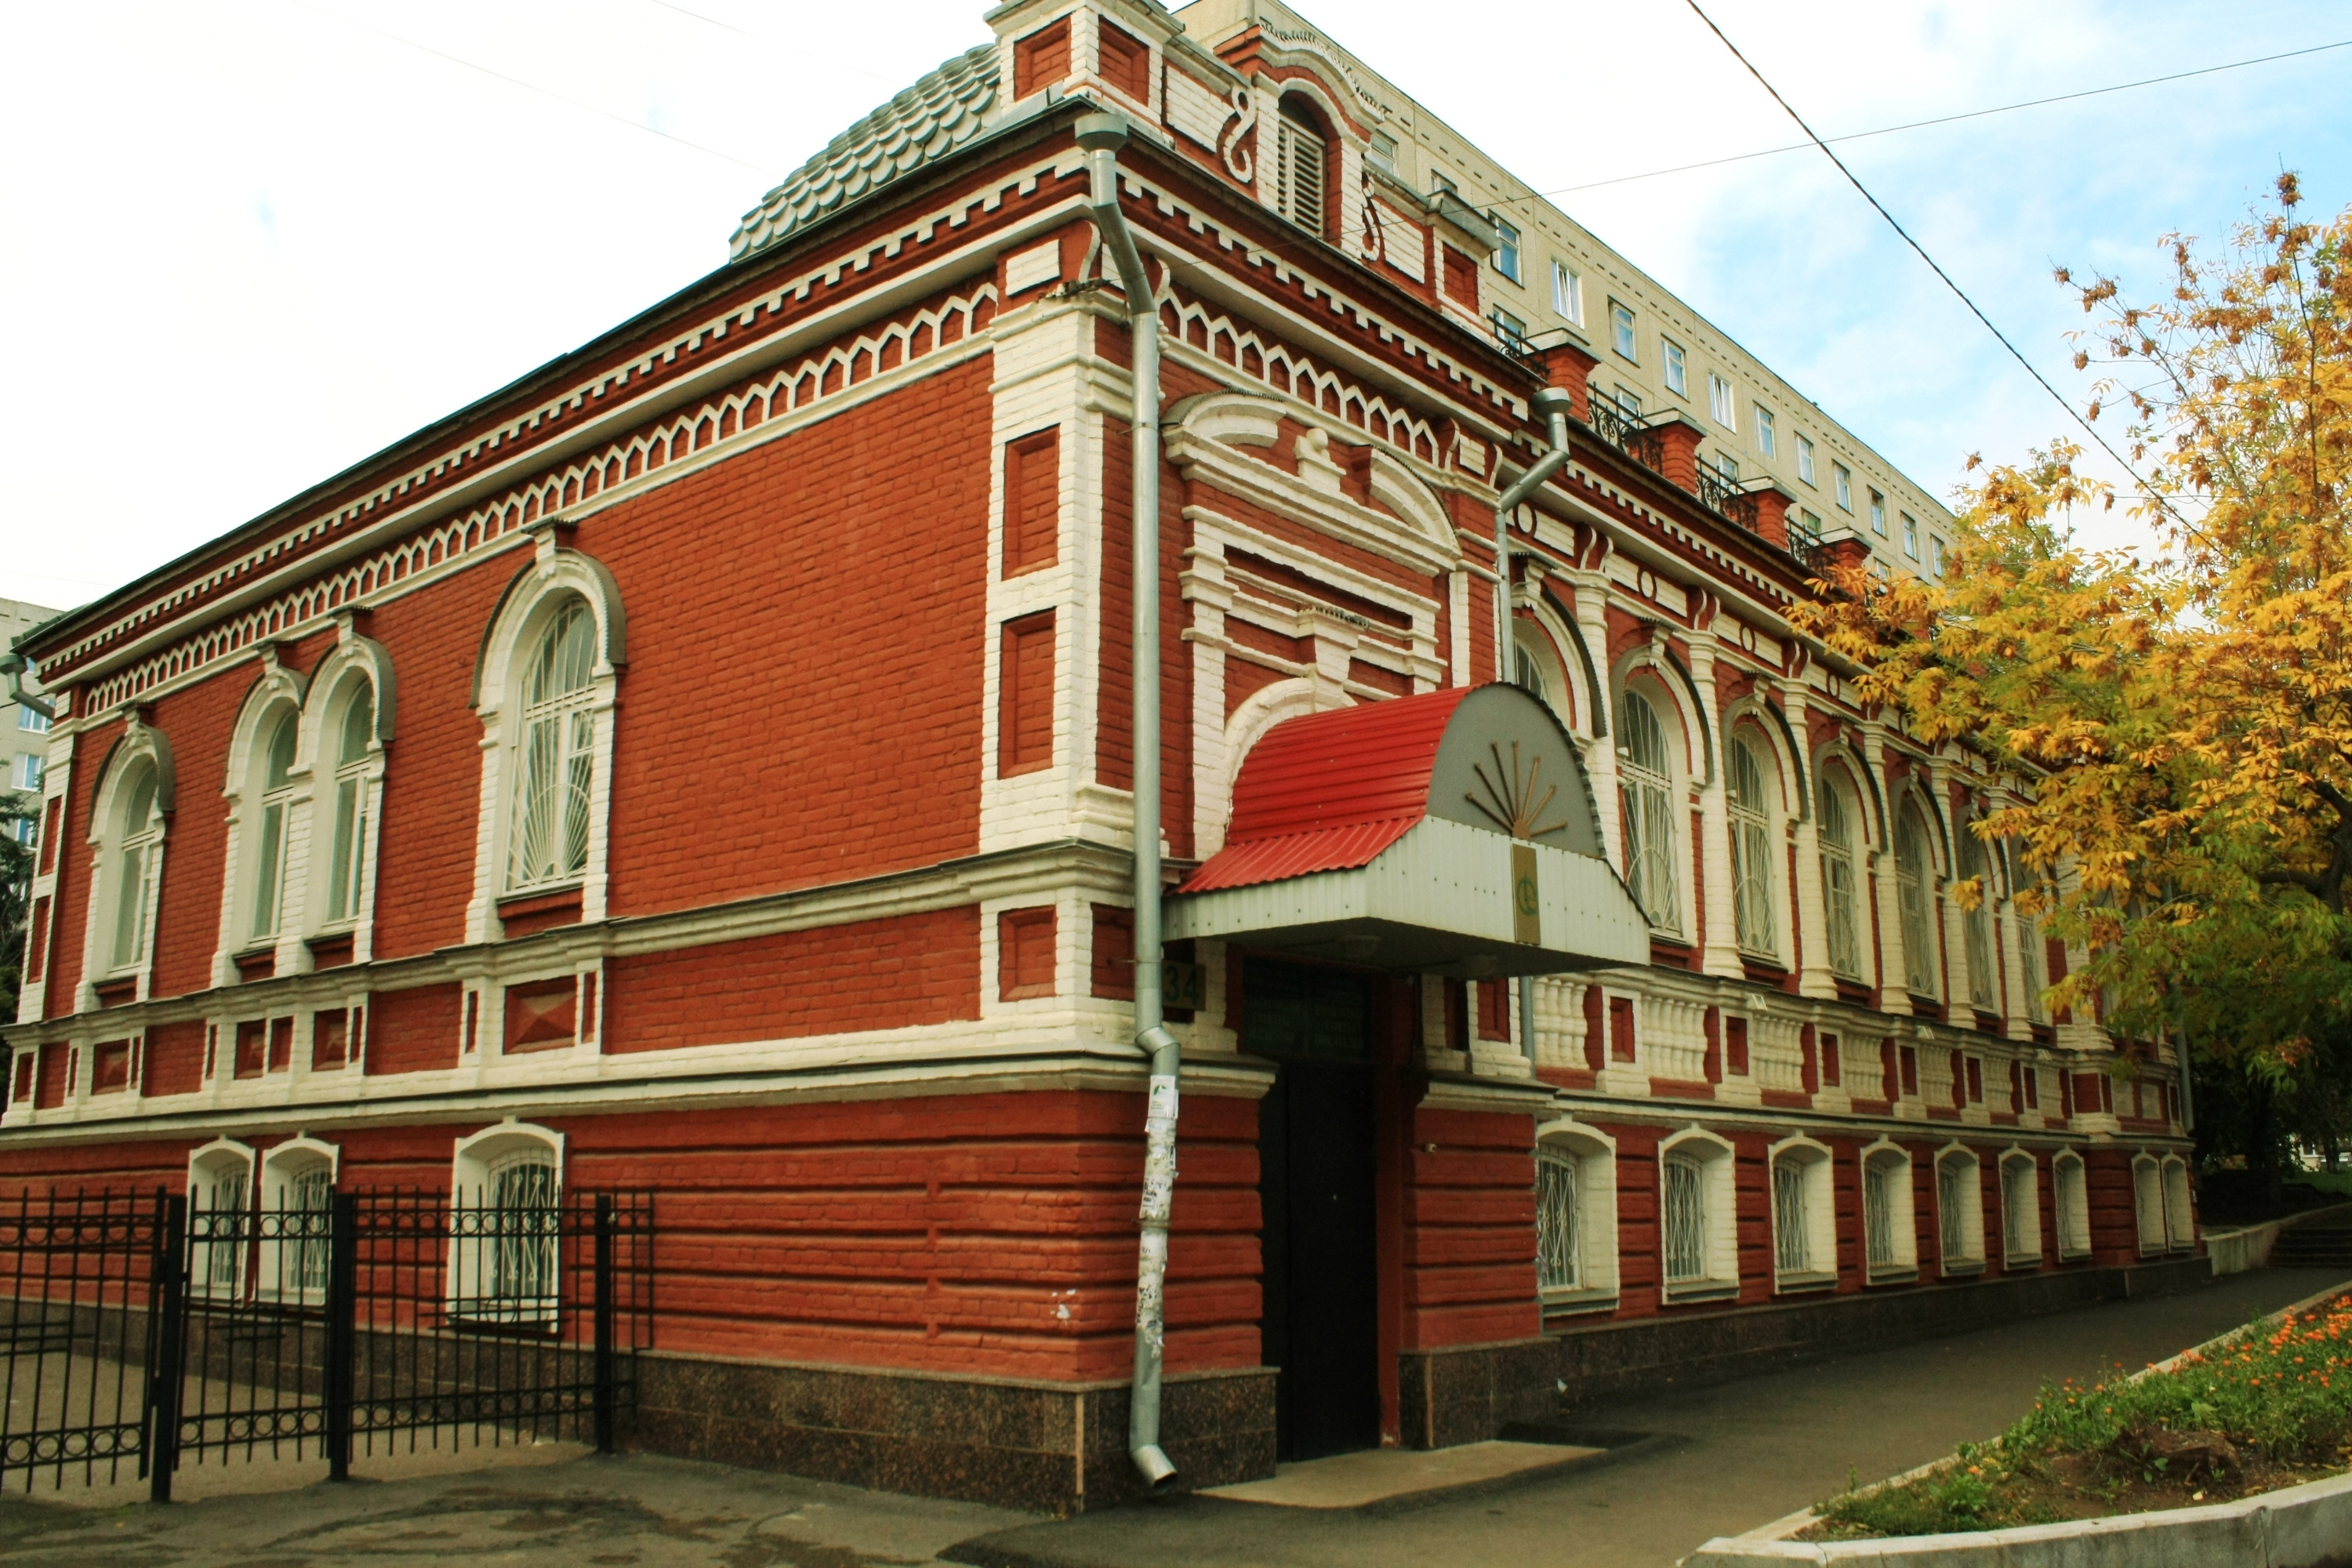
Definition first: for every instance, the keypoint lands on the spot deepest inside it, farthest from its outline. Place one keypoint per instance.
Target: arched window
(1890, 1239)
(556, 752)
(2034, 966)
(1983, 992)
(1840, 885)
(2147, 1202)
(2020, 1209)
(1646, 796)
(347, 843)
(1697, 1217)
(1959, 1211)
(1804, 1218)
(2070, 1200)
(1299, 153)
(505, 1224)
(137, 833)
(1915, 882)
(220, 1218)
(1751, 851)
(1576, 1218)
(2180, 1215)
(275, 786)
(298, 1186)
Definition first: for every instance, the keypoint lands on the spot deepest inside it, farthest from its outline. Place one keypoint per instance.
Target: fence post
(604, 1390)
(169, 1278)
(342, 1328)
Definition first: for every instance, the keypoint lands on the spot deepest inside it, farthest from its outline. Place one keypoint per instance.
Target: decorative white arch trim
(1393, 484)
(221, 1180)
(1666, 675)
(1260, 711)
(139, 743)
(2070, 1197)
(1877, 834)
(1804, 1216)
(353, 662)
(1890, 1241)
(1763, 718)
(1544, 628)
(1718, 1198)
(1964, 1227)
(277, 691)
(477, 1154)
(1593, 1155)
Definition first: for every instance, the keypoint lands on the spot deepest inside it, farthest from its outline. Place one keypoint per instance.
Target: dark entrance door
(1314, 1185)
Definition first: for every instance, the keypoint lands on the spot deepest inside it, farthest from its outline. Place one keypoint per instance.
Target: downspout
(1555, 403)
(1102, 135)
(12, 664)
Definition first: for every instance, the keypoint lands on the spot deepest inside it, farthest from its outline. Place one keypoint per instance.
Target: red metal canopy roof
(1327, 792)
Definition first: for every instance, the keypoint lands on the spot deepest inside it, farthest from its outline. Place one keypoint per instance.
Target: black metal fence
(143, 1332)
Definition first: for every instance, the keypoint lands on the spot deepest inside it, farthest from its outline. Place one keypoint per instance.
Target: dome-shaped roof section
(941, 112)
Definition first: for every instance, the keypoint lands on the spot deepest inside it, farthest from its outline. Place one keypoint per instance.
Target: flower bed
(2268, 1406)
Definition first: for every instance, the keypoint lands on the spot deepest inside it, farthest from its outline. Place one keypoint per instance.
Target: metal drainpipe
(12, 664)
(1102, 135)
(1555, 403)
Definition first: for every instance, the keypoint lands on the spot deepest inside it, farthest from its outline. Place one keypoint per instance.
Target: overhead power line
(1958, 291)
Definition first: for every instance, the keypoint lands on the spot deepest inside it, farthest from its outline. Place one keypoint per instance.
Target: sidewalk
(1728, 1457)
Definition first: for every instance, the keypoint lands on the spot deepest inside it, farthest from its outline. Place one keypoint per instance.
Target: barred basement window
(1751, 853)
(1792, 1249)
(345, 871)
(1959, 1210)
(297, 1186)
(2072, 1201)
(559, 736)
(1557, 1253)
(1685, 1221)
(503, 1222)
(1878, 1214)
(1913, 878)
(2147, 1202)
(277, 812)
(1646, 788)
(220, 1218)
(1978, 924)
(2035, 967)
(1839, 884)
(1889, 1242)
(2020, 1208)
(1298, 154)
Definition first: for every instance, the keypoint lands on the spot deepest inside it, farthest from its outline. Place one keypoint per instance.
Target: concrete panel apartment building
(704, 766)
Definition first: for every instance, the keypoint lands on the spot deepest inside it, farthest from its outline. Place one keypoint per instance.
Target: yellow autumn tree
(2179, 721)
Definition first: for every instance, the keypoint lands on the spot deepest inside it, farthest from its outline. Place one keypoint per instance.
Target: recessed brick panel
(1025, 953)
(1026, 695)
(1033, 502)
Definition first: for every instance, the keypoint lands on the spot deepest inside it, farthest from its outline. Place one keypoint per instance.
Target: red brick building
(706, 764)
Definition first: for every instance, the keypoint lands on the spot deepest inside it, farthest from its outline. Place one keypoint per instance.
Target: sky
(246, 243)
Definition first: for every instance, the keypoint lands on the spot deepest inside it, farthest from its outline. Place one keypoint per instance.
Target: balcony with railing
(1628, 434)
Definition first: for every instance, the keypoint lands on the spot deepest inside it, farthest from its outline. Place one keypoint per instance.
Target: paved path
(1746, 1452)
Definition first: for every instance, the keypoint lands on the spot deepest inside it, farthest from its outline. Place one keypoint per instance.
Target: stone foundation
(1050, 1447)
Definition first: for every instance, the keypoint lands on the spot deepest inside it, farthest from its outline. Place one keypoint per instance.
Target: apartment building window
(1677, 371)
(1878, 514)
(1382, 154)
(1727, 465)
(1719, 406)
(1910, 536)
(1844, 485)
(1629, 401)
(1913, 885)
(1506, 250)
(1935, 556)
(1751, 852)
(26, 830)
(1978, 925)
(1298, 154)
(29, 720)
(1838, 882)
(1805, 459)
(1512, 331)
(1568, 292)
(1767, 436)
(1620, 332)
(28, 770)
(1646, 785)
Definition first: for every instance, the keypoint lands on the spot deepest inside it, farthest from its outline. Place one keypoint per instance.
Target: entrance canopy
(1452, 833)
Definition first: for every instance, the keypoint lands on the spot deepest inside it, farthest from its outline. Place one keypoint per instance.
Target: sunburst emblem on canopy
(1514, 807)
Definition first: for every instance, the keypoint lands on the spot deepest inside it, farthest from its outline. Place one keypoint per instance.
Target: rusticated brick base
(1469, 1392)
(1046, 1446)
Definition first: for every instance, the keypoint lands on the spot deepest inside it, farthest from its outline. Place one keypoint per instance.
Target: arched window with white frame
(1646, 787)
(1576, 1218)
(296, 1212)
(2020, 1209)
(2179, 1213)
(1804, 1216)
(2034, 966)
(1984, 989)
(2147, 1202)
(349, 801)
(220, 1219)
(128, 830)
(505, 1224)
(2069, 1193)
(1959, 1210)
(549, 842)
(1536, 667)
(1841, 883)
(1749, 801)
(1698, 1241)
(1890, 1235)
(272, 820)
(1914, 893)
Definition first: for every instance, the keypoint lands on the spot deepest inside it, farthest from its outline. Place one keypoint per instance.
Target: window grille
(311, 1197)
(1649, 813)
(1299, 158)
(1878, 1178)
(218, 1233)
(1912, 874)
(1557, 1252)
(1685, 1211)
(509, 1230)
(343, 872)
(559, 736)
(1838, 883)
(143, 832)
(1952, 1178)
(1792, 1247)
(2017, 1216)
(1977, 926)
(276, 810)
(2035, 967)
(1751, 853)
(2067, 1178)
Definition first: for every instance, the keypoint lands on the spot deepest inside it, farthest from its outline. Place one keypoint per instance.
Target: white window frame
(1915, 901)
(1804, 1216)
(1650, 795)
(1676, 362)
(142, 752)
(2020, 1231)
(1910, 535)
(1842, 911)
(1935, 556)
(2033, 967)
(1900, 1262)
(1844, 480)
(1567, 293)
(277, 692)
(32, 720)
(1976, 926)
(1717, 1247)
(2179, 1204)
(1768, 436)
(1591, 1156)
(1754, 888)
(1878, 513)
(293, 1234)
(1959, 1210)
(2069, 1193)
(1805, 469)
(1536, 667)
(221, 1179)
(277, 802)
(29, 768)
(1512, 331)
(1506, 250)
(479, 1252)
(1300, 145)
(1721, 405)
(533, 599)
(1623, 336)
(2147, 1204)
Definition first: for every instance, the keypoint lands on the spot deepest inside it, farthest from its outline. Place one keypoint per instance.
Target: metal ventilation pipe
(1554, 403)
(12, 664)
(1102, 135)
